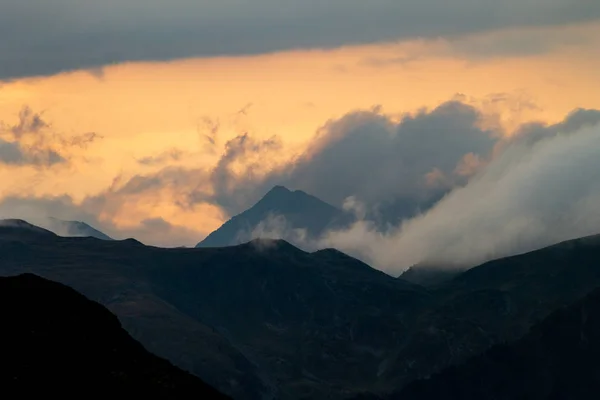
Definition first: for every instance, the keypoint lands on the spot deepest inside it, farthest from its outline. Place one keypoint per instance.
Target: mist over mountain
(281, 214)
(73, 229)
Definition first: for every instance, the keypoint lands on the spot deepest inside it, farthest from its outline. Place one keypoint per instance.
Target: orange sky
(144, 109)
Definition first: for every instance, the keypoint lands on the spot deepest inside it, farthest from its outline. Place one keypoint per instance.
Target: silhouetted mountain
(496, 302)
(282, 323)
(19, 228)
(74, 229)
(280, 214)
(557, 359)
(258, 320)
(56, 341)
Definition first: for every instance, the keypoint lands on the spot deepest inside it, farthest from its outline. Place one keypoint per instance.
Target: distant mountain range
(59, 227)
(266, 320)
(56, 340)
(280, 214)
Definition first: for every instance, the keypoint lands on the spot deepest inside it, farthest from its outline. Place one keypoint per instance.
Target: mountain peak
(276, 193)
(73, 228)
(280, 213)
(22, 225)
(279, 189)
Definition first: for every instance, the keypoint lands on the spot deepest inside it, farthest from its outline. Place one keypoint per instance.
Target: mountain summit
(73, 229)
(280, 214)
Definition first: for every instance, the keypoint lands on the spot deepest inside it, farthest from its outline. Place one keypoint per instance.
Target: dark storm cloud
(41, 37)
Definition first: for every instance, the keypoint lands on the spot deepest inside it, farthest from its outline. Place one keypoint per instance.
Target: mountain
(20, 228)
(557, 359)
(280, 214)
(493, 303)
(430, 275)
(259, 320)
(55, 339)
(265, 319)
(73, 228)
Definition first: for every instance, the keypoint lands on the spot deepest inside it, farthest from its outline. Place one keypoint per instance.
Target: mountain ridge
(555, 359)
(55, 338)
(286, 324)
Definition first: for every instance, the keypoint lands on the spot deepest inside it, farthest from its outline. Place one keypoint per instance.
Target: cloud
(241, 173)
(538, 190)
(10, 153)
(31, 141)
(13, 154)
(501, 194)
(403, 152)
(29, 123)
(162, 158)
(42, 37)
(375, 159)
(82, 141)
(274, 227)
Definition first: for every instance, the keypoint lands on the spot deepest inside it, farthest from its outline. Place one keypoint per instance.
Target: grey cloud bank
(539, 190)
(46, 37)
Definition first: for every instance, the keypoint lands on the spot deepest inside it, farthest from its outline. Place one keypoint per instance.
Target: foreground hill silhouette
(557, 359)
(280, 211)
(267, 320)
(259, 320)
(57, 341)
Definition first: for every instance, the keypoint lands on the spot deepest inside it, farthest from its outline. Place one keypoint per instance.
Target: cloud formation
(376, 159)
(404, 152)
(44, 37)
(502, 194)
(171, 155)
(31, 142)
(541, 188)
(13, 154)
(415, 157)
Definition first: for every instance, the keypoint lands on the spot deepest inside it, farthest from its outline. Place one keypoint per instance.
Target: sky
(160, 120)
